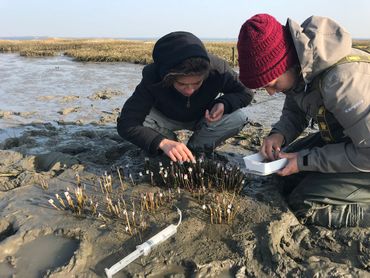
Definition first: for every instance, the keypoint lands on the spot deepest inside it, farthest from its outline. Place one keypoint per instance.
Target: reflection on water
(40, 85)
(58, 90)
(35, 258)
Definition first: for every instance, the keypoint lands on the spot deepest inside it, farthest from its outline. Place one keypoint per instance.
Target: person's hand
(176, 151)
(216, 113)
(291, 167)
(271, 146)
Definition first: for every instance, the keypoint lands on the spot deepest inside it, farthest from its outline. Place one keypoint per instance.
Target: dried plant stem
(51, 201)
(120, 179)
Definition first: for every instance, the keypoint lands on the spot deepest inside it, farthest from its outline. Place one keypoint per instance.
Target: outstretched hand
(216, 113)
(176, 151)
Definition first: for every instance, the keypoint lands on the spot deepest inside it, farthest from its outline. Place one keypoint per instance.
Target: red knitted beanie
(265, 50)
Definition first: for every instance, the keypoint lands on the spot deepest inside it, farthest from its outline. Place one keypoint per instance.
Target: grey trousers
(328, 199)
(206, 136)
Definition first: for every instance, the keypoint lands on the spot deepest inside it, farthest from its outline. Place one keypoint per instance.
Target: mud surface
(40, 157)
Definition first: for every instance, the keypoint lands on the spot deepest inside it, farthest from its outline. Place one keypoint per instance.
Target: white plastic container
(254, 164)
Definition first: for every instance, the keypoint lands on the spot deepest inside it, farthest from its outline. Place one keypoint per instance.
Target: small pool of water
(36, 257)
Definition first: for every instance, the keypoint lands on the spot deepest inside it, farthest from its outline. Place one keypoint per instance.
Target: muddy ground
(263, 240)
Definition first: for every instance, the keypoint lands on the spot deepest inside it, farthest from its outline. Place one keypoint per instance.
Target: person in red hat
(185, 88)
(327, 178)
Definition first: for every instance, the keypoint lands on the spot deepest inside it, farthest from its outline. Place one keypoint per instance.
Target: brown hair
(189, 67)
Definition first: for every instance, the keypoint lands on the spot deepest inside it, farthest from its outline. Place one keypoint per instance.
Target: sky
(155, 18)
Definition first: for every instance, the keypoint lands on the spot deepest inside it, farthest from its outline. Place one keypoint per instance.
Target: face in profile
(282, 84)
(187, 85)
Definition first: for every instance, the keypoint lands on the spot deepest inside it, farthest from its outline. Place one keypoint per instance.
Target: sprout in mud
(221, 207)
(131, 178)
(120, 178)
(51, 201)
(60, 200)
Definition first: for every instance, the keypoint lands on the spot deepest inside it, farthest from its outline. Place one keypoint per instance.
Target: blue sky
(154, 18)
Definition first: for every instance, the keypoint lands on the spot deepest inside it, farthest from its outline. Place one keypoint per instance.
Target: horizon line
(117, 38)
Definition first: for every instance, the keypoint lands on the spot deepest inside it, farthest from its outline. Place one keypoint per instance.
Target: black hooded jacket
(168, 52)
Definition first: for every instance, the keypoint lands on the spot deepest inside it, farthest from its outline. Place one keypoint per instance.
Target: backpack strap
(344, 60)
(331, 131)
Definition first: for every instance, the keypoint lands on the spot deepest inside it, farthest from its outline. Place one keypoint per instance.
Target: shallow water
(44, 253)
(34, 90)
(38, 85)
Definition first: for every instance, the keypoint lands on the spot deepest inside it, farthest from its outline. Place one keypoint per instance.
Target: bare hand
(216, 113)
(176, 151)
(291, 167)
(271, 146)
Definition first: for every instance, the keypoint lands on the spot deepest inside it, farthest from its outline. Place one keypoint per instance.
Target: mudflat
(74, 148)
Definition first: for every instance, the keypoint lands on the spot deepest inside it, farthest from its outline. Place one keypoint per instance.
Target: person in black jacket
(185, 88)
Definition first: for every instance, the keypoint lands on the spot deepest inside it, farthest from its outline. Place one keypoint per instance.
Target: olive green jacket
(320, 43)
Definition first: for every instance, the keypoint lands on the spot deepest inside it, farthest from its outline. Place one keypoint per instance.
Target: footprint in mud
(116, 152)
(54, 161)
(16, 142)
(39, 257)
(16, 170)
(6, 229)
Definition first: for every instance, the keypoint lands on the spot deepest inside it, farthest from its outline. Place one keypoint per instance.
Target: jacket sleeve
(235, 94)
(293, 121)
(130, 122)
(346, 92)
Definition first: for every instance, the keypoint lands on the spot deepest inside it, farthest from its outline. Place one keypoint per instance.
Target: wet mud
(40, 156)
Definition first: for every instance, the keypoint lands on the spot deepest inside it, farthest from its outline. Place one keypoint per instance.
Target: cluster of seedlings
(206, 175)
(221, 208)
(214, 185)
(109, 204)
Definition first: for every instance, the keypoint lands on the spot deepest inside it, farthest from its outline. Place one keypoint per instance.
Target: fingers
(286, 171)
(267, 150)
(270, 153)
(291, 167)
(216, 113)
(171, 156)
(271, 146)
(189, 155)
(276, 152)
(217, 116)
(183, 154)
(180, 153)
(207, 116)
(287, 155)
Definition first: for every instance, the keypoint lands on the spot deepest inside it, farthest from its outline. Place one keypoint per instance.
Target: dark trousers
(327, 199)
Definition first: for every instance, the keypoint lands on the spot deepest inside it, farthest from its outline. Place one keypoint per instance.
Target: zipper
(188, 103)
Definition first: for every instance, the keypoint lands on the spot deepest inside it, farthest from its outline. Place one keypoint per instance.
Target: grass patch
(109, 50)
(103, 50)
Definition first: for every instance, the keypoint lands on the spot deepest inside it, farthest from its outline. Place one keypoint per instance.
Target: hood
(320, 42)
(176, 47)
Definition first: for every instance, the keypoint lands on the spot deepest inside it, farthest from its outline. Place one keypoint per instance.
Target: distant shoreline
(137, 51)
(106, 50)
(28, 38)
